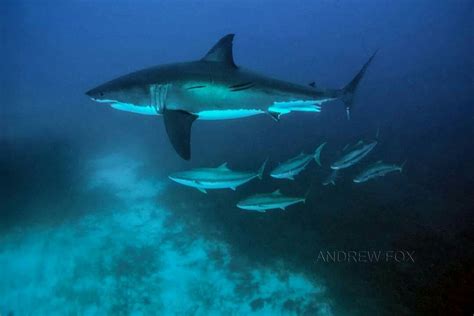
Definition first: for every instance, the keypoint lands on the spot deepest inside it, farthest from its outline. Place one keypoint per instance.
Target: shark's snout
(95, 93)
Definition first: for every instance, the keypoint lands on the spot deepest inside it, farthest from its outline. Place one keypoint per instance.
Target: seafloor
(137, 258)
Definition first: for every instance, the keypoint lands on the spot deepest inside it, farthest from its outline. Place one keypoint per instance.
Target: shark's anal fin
(178, 127)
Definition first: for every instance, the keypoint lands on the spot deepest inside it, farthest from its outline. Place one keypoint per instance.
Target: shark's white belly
(227, 114)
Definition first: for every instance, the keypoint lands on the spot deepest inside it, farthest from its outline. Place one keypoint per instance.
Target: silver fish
(268, 201)
(216, 178)
(378, 169)
(292, 167)
(354, 156)
(332, 177)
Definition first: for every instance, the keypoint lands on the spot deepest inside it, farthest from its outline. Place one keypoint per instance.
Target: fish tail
(402, 165)
(307, 193)
(349, 90)
(262, 168)
(317, 153)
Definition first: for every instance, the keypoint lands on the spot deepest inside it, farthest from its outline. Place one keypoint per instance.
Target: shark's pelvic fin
(274, 115)
(202, 190)
(178, 127)
(222, 51)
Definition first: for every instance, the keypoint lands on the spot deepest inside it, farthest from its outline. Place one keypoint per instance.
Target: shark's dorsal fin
(223, 166)
(276, 192)
(222, 51)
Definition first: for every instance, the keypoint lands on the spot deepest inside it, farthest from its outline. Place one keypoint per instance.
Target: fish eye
(101, 94)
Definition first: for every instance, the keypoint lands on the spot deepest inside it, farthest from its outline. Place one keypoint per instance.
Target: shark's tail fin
(349, 90)
(262, 168)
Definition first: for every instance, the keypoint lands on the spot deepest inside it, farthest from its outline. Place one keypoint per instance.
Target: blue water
(91, 224)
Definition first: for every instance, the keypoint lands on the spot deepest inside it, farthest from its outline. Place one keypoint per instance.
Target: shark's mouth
(104, 100)
(129, 107)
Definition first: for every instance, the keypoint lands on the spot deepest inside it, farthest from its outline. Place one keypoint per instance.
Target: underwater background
(91, 225)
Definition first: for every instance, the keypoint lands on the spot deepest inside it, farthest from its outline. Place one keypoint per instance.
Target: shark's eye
(101, 94)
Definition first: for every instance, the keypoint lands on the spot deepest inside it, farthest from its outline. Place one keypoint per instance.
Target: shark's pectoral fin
(232, 188)
(178, 127)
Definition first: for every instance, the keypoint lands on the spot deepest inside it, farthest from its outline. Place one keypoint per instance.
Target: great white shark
(213, 88)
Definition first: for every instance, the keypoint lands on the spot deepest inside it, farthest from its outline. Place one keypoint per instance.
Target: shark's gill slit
(158, 93)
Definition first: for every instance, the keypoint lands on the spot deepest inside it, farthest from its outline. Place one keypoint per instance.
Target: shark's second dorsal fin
(222, 51)
(276, 192)
(223, 166)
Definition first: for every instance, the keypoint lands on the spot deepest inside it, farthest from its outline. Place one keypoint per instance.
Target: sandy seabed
(133, 262)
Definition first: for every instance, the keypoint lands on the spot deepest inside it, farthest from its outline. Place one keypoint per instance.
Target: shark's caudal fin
(349, 90)
(178, 127)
